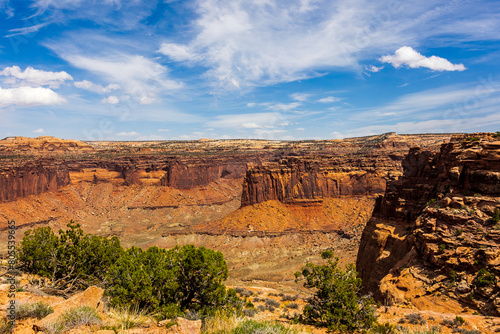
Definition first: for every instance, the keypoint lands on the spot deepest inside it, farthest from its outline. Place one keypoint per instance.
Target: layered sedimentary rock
(349, 167)
(434, 239)
(189, 173)
(298, 179)
(32, 178)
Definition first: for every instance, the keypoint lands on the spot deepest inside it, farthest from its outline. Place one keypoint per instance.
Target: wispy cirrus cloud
(140, 77)
(301, 97)
(27, 30)
(246, 44)
(329, 99)
(408, 56)
(115, 14)
(88, 85)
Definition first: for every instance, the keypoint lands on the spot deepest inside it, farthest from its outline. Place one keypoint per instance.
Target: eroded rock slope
(434, 239)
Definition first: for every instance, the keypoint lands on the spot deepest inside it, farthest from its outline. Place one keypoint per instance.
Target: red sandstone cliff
(295, 179)
(436, 228)
(32, 178)
(190, 173)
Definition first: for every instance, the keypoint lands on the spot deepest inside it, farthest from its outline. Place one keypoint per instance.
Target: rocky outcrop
(298, 179)
(435, 235)
(190, 173)
(32, 178)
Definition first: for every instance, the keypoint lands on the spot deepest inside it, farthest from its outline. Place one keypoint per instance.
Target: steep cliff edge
(434, 239)
(293, 180)
(190, 173)
(32, 178)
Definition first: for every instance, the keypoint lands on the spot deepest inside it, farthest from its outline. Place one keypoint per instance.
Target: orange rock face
(296, 179)
(440, 220)
(32, 178)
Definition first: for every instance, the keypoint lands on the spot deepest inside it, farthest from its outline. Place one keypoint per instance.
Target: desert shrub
(458, 321)
(453, 275)
(485, 278)
(219, 323)
(172, 281)
(289, 298)
(37, 310)
(272, 303)
(79, 316)
(337, 303)
(250, 312)
(496, 215)
(262, 327)
(239, 290)
(473, 139)
(433, 330)
(72, 318)
(293, 306)
(256, 299)
(56, 327)
(261, 308)
(497, 134)
(193, 315)
(385, 328)
(69, 256)
(466, 331)
(246, 293)
(415, 319)
(129, 317)
(447, 322)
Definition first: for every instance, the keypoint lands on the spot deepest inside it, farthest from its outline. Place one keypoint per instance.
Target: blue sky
(270, 69)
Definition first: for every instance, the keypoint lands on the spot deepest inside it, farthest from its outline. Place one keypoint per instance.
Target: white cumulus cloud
(39, 131)
(88, 85)
(373, 68)
(408, 56)
(33, 77)
(29, 96)
(111, 100)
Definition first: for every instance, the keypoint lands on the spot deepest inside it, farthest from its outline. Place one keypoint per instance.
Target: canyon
(418, 213)
(280, 202)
